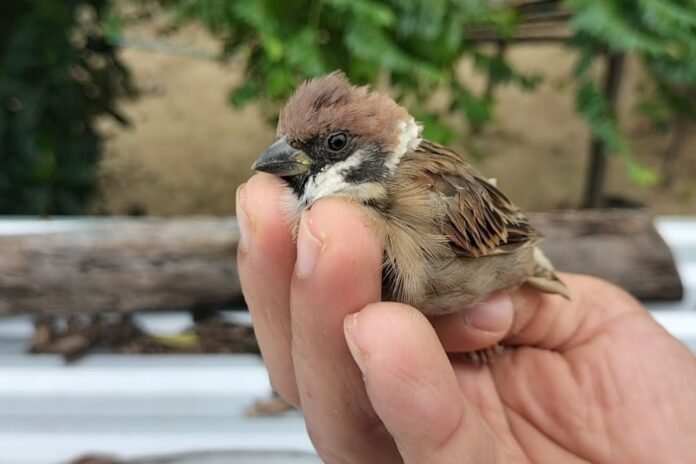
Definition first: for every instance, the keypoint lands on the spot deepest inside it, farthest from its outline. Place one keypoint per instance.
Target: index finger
(266, 256)
(337, 273)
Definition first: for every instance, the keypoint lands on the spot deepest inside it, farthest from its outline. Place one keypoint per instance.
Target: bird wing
(479, 219)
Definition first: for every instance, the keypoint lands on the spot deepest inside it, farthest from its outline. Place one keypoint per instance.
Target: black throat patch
(371, 169)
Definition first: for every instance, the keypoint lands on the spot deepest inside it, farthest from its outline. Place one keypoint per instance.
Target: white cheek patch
(409, 139)
(330, 180)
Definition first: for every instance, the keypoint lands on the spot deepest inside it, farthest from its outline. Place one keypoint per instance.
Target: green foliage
(417, 44)
(663, 34)
(58, 74)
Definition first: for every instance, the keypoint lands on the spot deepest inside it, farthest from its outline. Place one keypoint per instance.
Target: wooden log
(121, 265)
(621, 246)
(165, 264)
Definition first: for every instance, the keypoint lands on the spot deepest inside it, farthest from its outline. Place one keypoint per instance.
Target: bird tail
(545, 278)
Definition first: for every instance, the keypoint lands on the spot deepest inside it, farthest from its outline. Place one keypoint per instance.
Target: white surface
(680, 235)
(136, 405)
(140, 405)
(29, 225)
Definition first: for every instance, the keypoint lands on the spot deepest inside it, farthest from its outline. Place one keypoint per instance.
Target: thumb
(549, 321)
(477, 327)
(526, 316)
(412, 387)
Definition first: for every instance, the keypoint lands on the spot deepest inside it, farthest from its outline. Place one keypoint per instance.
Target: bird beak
(280, 159)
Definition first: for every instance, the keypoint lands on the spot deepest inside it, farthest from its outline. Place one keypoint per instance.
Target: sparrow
(451, 237)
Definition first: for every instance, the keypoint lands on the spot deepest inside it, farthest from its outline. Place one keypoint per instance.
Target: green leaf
(273, 47)
(372, 12)
(373, 44)
(604, 21)
(667, 14)
(246, 92)
(280, 82)
(642, 175)
(182, 341)
(303, 53)
(433, 128)
(477, 110)
(252, 12)
(592, 105)
(113, 28)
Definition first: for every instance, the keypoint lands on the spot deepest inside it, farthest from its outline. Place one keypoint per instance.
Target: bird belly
(445, 284)
(464, 282)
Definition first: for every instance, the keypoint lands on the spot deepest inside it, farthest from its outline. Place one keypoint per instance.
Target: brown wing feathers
(481, 220)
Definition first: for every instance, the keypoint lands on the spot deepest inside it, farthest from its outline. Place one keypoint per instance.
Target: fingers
(266, 256)
(337, 272)
(413, 388)
(552, 322)
(477, 327)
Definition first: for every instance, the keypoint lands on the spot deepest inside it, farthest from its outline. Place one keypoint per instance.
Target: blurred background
(126, 127)
(159, 107)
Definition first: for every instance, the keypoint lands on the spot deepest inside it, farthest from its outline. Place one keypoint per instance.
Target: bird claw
(482, 357)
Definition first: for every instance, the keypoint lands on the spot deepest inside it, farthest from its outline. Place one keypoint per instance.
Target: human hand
(593, 379)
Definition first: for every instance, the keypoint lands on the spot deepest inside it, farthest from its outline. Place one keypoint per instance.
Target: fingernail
(493, 315)
(308, 247)
(244, 221)
(349, 329)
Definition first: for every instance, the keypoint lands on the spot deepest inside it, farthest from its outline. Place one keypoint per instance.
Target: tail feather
(545, 278)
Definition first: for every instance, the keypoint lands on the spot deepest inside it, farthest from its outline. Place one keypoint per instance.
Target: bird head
(335, 138)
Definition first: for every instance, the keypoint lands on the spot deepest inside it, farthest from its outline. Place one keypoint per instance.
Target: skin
(593, 379)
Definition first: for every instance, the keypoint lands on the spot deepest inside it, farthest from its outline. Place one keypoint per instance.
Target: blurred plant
(58, 74)
(663, 34)
(417, 44)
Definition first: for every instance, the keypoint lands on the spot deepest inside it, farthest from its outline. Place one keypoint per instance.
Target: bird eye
(337, 141)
